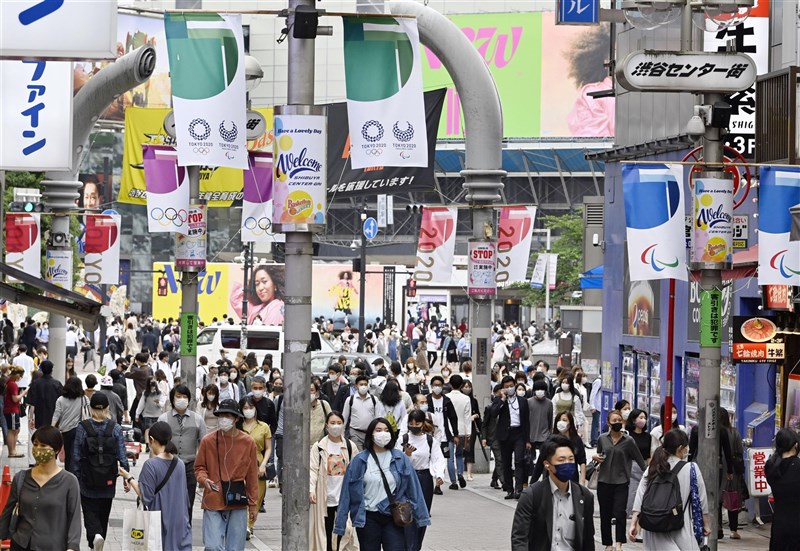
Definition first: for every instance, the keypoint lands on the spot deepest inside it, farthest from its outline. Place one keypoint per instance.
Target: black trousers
(330, 520)
(415, 534)
(69, 444)
(191, 486)
(612, 499)
(497, 473)
(380, 533)
(95, 516)
(514, 446)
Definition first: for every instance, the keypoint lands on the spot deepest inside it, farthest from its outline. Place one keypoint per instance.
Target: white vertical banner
(552, 266)
(382, 211)
(437, 245)
(514, 235)
(167, 190)
(539, 271)
(206, 65)
(257, 202)
(23, 243)
(101, 262)
(59, 268)
(390, 210)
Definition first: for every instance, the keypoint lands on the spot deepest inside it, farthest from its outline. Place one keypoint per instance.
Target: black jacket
(336, 399)
(532, 529)
(503, 429)
(449, 415)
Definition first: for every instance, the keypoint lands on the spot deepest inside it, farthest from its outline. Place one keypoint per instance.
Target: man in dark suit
(555, 513)
(513, 433)
(336, 388)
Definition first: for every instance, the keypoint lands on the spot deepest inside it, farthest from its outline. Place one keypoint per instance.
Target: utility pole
(362, 282)
(248, 267)
(189, 310)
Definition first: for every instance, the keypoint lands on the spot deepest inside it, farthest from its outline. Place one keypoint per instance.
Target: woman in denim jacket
(364, 497)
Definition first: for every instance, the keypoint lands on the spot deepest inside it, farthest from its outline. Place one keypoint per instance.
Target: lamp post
(546, 231)
(707, 123)
(362, 283)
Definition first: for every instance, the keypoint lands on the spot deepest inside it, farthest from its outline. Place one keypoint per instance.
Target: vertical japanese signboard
(189, 333)
(711, 318)
(756, 477)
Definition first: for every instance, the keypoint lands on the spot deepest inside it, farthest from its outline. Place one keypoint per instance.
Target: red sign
(758, 352)
(778, 297)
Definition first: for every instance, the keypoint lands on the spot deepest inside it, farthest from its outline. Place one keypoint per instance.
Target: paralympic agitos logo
(777, 262)
(649, 257)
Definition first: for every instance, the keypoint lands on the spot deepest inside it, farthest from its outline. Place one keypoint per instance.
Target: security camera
(696, 127)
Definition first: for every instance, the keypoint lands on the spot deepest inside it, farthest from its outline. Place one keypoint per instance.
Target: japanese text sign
(482, 268)
(756, 340)
(711, 318)
(756, 478)
(654, 71)
(778, 297)
(36, 133)
(578, 12)
(189, 333)
(58, 29)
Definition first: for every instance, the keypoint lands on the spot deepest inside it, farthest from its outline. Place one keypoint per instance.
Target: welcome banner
(206, 63)
(257, 202)
(514, 243)
(23, 243)
(167, 191)
(385, 108)
(778, 257)
(655, 220)
(102, 248)
(437, 245)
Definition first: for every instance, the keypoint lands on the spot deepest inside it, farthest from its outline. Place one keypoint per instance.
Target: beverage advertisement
(713, 216)
(59, 268)
(300, 150)
(641, 316)
(482, 268)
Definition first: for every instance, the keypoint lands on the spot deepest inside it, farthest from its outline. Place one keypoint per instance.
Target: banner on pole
(23, 243)
(102, 240)
(539, 271)
(385, 107)
(778, 258)
(190, 248)
(59, 268)
(382, 210)
(206, 64)
(167, 190)
(655, 216)
(552, 266)
(437, 245)
(482, 269)
(514, 243)
(257, 201)
(713, 220)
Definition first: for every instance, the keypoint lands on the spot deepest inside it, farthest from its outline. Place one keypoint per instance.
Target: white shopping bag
(141, 530)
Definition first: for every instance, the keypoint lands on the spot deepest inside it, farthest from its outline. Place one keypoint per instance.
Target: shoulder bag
(402, 514)
(234, 492)
(12, 525)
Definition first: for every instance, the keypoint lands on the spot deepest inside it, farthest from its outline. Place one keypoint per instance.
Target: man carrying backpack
(671, 494)
(97, 454)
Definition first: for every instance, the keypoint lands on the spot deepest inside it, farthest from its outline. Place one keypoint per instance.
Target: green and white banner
(385, 106)
(206, 64)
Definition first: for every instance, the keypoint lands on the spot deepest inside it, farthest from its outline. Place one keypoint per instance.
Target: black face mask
(415, 430)
(277, 389)
(616, 427)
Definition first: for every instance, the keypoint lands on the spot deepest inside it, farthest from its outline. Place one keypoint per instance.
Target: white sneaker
(98, 542)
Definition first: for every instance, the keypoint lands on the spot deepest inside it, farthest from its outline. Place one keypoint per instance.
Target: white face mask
(382, 438)
(510, 391)
(211, 397)
(562, 426)
(233, 376)
(521, 393)
(249, 413)
(226, 424)
(181, 403)
(423, 407)
(258, 394)
(565, 387)
(437, 389)
(223, 379)
(539, 393)
(335, 430)
(363, 389)
(313, 396)
(626, 413)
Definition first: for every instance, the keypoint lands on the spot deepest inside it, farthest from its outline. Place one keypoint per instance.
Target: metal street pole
(189, 297)
(362, 282)
(248, 267)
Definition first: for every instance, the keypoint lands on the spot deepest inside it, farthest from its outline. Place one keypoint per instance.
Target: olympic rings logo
(258, 227)
(169, 217)
(201, 150)
(374, 152)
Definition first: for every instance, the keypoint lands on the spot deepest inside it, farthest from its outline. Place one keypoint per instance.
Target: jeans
(95, 516)
(279, 458)
(595, 429)
(612, 499)
(379, 533)
(224, 530)
(455, 463)
(514, 446)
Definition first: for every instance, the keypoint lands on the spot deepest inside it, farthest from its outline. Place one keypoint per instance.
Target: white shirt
(71, 338)
(425, 457)
(26, 363)
(335, 464)
(431, 339)
(438, 416)
(513, 410)
(463, 407)
(500, 352)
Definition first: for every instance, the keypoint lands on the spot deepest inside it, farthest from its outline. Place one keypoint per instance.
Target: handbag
(592, 474)
(14, 522)
(234, 492)
(402, 514)
(731, 499)
(141, 530)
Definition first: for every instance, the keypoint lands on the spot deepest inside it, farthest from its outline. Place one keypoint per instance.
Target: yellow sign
(213, 290)
(219, 186)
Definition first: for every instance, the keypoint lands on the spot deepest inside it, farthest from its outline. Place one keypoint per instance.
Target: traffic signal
(357, 265)
(25, 206)
(411, 288)
(414, 208)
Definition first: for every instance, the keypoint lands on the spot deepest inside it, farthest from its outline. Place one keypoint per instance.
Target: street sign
(578, 12)
(370, 228)
(698, 72)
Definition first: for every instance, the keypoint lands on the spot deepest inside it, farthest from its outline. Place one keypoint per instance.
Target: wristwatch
(128, 480)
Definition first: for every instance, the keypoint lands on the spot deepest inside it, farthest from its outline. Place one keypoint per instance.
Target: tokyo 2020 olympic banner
(437, 245)
(102, 248)
(167, 191)
(23, 243)
(778, 257)
(514, 243)
(257, 202)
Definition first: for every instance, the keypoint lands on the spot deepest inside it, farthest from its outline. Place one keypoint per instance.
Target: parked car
(261, 339)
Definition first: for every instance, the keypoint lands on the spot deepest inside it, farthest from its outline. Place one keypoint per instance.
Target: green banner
(711, 318)
(188, 333)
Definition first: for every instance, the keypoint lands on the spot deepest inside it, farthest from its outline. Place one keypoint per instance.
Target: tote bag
(141, 530)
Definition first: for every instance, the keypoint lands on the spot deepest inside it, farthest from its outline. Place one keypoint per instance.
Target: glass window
(231, 339)
(206, 336)
(263, 340)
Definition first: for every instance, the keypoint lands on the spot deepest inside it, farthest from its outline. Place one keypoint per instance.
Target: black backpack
(99, 457)
(662, 506)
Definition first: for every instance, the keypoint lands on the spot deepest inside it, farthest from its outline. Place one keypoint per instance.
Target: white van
(261, 340)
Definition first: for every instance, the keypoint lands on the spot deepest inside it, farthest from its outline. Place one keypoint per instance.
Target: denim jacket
(351, 500)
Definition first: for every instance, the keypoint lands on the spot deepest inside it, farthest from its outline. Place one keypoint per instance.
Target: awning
(592, 279)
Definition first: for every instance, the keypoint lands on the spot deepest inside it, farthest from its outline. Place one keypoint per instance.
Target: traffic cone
(5, 491)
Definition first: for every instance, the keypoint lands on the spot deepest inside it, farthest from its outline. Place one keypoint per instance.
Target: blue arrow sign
(370, 228)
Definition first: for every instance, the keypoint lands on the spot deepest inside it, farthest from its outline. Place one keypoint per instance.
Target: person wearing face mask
(187, 429)
(364, 497)
(671, 457)
(336, 387)
(565, 426)
(262, 436)
(429, 464)
(276, 395)
(555, 513)
(48, 519)
(208, 405)
(225, 460)
(624, 407)
(488, 440)
(444, 417)
(320, 409)
(463, 408)
(161, 488)
(569, 399)
(783, 476)
(647, 444)
(475, 421)
(616, 451)
(513, 432)
(658, 431)
(359, 411)
(328, 463)
(149, 409)
(540, 415)
(236, 386)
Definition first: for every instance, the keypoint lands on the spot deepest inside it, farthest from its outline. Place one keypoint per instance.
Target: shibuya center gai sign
(698, 72)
